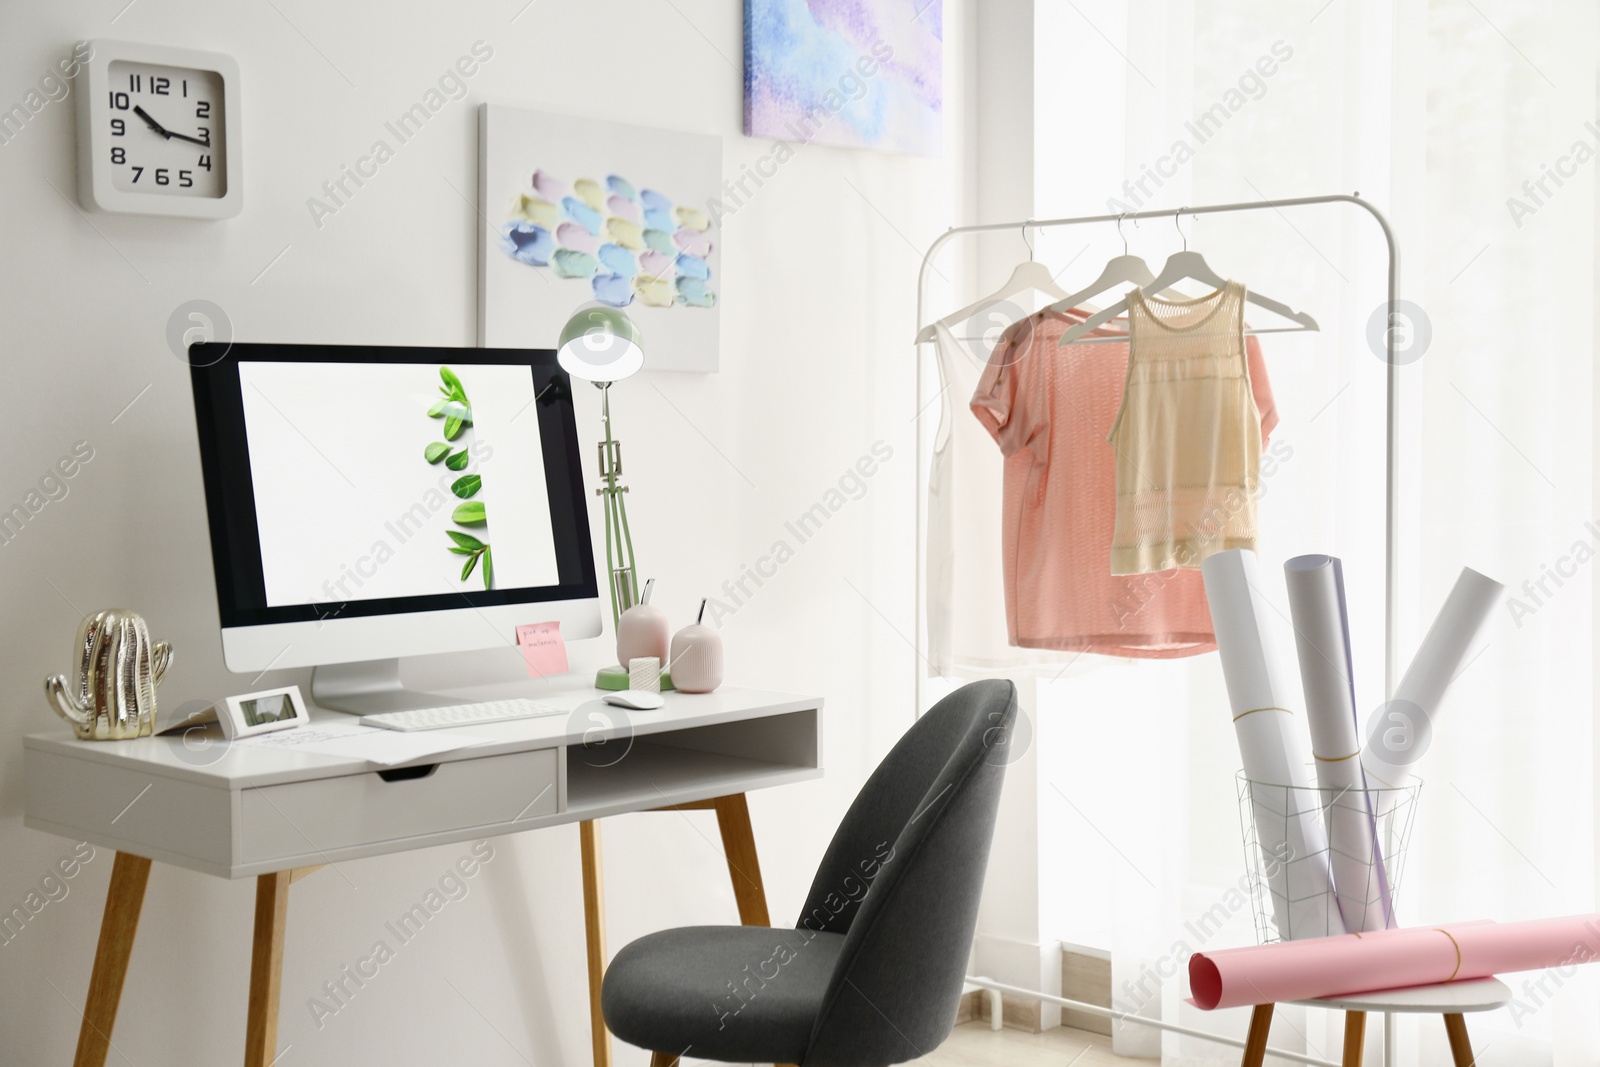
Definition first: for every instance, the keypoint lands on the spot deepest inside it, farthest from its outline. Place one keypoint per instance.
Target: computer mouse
(635, 699)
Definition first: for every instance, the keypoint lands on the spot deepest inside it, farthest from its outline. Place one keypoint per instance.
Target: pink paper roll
(1388, 959)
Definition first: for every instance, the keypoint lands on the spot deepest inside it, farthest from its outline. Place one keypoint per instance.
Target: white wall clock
(158, 132)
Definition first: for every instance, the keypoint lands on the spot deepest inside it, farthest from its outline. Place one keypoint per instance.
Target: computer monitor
(369, 503)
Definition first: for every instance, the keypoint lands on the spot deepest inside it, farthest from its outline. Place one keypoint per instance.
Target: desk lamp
(602, 345)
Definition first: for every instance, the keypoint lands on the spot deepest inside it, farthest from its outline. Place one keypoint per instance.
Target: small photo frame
(250, 714)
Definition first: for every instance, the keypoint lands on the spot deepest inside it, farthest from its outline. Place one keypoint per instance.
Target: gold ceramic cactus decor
(113, 696)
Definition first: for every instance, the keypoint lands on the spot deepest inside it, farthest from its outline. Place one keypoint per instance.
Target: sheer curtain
(1471, 123)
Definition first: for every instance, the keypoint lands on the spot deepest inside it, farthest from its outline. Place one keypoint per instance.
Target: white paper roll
(1272, 743)
(1404, 729)
(1322, 642)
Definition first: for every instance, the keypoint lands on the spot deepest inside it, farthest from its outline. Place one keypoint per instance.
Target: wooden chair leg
(1455, 1026)
(594, 928)
(1355, 1037)
(1255, 1046)
(744, 868)
(663, 1059)
(266, 969)
(118, 925)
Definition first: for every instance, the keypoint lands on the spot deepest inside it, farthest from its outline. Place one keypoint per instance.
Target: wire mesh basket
(1323, 861)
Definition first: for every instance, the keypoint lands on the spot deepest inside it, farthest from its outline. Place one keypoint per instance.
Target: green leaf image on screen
(456, 411)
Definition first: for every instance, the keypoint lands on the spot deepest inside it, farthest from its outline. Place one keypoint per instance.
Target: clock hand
(152, 123)
(186, 137)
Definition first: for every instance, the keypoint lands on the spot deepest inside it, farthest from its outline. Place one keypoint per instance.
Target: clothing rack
(1391, 476)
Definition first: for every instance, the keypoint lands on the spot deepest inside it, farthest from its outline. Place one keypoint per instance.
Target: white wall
(818, 293)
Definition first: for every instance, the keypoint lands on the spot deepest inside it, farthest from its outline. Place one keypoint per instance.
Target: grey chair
(872, 972)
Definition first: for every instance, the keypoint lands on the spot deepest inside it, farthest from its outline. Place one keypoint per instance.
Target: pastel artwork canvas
(857, 73)
(581, 211)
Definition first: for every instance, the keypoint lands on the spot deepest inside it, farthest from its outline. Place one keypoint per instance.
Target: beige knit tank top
(1187, 436)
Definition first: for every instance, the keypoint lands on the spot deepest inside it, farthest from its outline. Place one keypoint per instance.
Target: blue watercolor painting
(857, 73)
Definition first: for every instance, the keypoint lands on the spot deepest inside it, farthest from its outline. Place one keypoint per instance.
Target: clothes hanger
(1120, 270)
(1030, 276)
(1189, 264)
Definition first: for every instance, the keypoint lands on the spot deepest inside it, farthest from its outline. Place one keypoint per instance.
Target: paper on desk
(354, 741)
(1322, 641)
(1284, 801)
(543, 649)
(1388, 959)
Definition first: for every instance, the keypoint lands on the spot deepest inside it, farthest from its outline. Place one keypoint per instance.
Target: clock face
(166, 130)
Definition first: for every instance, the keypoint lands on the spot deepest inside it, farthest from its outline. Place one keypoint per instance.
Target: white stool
(1453, 1000)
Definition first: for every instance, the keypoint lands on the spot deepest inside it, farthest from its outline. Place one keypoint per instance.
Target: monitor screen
(350, 482)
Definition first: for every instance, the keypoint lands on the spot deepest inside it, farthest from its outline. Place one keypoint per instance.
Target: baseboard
(1020, 963)
(1086, 976)
(1016, 1013)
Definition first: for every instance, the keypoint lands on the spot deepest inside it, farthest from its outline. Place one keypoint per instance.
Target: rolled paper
(1327, 673)
(1272, 743)
(1388, 959)
(1399, 738)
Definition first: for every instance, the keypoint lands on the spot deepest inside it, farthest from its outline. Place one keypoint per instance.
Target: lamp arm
(626, 546)
(621, 565)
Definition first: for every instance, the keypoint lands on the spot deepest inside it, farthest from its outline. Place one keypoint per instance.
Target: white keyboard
(460, 715)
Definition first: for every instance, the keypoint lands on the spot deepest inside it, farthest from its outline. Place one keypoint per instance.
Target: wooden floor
(975, 1045)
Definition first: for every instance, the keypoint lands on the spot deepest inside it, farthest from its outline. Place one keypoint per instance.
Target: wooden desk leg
(744, 868)
(118, 925)
(594, 928)
(266, 969)
(1460, 1046)
(1255, 1045)
(1355, 1037)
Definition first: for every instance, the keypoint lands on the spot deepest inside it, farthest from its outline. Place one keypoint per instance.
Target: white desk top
(244, 766)
(192, 800)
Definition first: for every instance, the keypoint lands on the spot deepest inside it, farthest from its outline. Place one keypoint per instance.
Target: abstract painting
(581, 211)
(858, 73)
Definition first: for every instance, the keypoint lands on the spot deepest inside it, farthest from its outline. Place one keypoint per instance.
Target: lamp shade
(600, 344)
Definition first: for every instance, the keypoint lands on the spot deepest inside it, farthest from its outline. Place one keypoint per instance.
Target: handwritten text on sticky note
(543, 649)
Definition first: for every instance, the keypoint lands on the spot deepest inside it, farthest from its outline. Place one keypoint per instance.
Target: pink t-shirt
(1050, 409)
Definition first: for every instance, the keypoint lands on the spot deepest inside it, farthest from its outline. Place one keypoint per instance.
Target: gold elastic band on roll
(1252, 711)
(1457, 944)
(1336, 759)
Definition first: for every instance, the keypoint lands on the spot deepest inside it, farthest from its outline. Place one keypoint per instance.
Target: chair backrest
(902, 877)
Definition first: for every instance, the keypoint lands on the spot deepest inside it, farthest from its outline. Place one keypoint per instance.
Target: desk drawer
(303, 819)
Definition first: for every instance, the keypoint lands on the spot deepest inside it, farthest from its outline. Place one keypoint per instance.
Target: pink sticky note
(543, 649)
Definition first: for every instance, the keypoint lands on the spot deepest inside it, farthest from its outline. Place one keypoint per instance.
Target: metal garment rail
(990, 986)
(1391, 474)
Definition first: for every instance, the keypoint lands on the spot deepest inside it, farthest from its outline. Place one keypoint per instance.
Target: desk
(277, 815)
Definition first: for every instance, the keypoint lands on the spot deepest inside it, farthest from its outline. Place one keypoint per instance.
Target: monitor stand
(369, 687)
